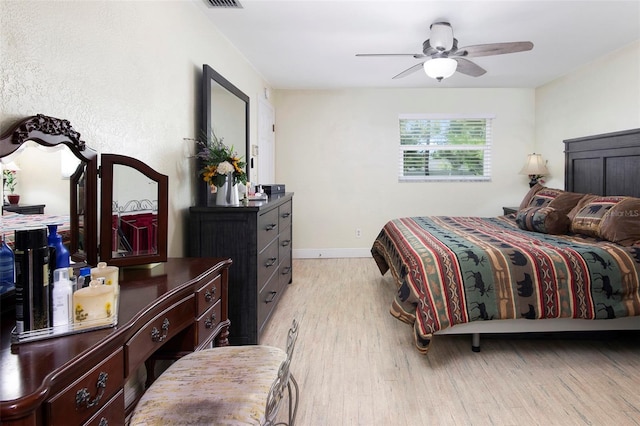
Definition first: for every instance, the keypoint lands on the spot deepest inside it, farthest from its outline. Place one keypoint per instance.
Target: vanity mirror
(225, 111)
(139, 238)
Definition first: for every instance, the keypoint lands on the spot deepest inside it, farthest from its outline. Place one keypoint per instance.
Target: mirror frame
(50, 132)
(106, 251)
(209, 77)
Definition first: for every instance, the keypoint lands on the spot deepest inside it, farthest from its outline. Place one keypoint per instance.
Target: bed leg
(475, 342)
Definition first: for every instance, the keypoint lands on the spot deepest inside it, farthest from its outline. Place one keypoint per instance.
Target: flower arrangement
(10, 180)
(220, 160)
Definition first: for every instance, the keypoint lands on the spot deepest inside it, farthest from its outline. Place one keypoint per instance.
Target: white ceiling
(312, 43)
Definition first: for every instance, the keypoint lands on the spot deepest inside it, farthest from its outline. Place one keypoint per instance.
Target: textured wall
(125, 74)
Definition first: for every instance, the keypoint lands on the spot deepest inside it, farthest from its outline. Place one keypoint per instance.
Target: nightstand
(509, 210)
(24, 209)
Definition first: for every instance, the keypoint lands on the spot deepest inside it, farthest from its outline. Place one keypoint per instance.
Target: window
(445, 148)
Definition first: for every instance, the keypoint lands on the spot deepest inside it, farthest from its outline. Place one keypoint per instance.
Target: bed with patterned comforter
(454, 270)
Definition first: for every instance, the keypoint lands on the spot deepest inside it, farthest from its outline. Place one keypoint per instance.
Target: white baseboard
(330, 253)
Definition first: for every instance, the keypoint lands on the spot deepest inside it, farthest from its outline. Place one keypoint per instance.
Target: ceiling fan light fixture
(439, 68)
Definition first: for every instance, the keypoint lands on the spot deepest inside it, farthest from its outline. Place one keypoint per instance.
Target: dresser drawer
(267, 228)
(207, 324)
(208, 295)
(113, 413)
(285, 272)
(284, 215)
(267, 299)
(87, 395)
(157, 331)
(284, 243)
(267, 263)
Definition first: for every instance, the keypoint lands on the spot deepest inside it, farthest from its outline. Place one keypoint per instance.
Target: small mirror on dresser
(134, 192)
(127, 186)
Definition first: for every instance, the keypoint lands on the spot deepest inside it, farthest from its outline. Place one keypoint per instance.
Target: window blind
(445, 148)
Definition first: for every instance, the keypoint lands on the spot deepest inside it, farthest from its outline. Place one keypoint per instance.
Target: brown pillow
(588, 219)
(527, 198)
(566, 201)
(622, 224)
(544, 197)
(543, 219)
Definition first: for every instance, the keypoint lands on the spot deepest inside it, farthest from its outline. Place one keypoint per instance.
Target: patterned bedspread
(452, 270)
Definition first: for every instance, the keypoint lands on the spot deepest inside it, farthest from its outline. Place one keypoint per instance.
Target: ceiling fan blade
(469, 68)
(415, 55)
(408, 71)
(494, 49)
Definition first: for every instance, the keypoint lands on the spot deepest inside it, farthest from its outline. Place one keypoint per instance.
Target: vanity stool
(229, 385)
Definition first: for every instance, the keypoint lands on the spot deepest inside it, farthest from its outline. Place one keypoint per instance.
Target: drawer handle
(270, 226)
(286, 215)
(286, 243)
(208, 323)
(270, 262)
(83, 397)
(155, 333)
(286, 270)
(271, 297)
(208, 296)
(103, 422)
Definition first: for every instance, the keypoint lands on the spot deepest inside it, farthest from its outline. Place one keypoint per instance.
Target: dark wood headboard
(607, 164)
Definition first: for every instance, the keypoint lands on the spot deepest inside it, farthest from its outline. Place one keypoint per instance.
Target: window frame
(486, 147)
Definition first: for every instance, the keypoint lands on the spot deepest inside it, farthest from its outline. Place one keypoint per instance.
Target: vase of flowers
(222, 170)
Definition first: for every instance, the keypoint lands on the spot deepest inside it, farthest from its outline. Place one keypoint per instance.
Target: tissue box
(273, 188)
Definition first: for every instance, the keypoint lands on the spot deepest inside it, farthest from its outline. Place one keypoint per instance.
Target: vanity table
(171, 309)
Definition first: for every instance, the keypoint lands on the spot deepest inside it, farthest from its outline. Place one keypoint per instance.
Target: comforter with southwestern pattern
(453, 270)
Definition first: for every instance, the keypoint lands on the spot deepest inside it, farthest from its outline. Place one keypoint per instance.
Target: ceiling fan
(443, 57)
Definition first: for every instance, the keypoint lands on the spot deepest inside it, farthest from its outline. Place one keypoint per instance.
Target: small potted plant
(10, 181)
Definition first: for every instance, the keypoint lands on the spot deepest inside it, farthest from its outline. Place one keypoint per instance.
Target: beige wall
(125, 74)
(601, 97)
(338, 151)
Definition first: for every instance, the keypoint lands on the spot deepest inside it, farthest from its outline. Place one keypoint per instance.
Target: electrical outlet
(358, 232)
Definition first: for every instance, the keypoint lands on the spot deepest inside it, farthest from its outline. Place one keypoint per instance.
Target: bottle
(58, 253)
(94, 305)
(59, 278)
(32, 279)
(7, 268)
(84, 278)
(61, 300)
(110, 275)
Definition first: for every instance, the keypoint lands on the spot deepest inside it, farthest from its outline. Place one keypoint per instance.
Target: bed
(568, 260)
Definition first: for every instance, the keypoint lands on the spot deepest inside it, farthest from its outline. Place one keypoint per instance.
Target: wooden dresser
(79, 379)
(258, 238)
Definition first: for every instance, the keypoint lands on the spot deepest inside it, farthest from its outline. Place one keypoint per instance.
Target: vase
(227, 194)
(14, 199)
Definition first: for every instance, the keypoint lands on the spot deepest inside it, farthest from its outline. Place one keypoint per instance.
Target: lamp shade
(440, 68)
(535, 165)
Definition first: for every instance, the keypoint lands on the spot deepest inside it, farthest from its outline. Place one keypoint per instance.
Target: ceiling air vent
(224, 3)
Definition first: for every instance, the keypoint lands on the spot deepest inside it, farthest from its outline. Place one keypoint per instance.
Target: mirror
(225, 111)
(133, 194)
(130, 189)
(36, 141)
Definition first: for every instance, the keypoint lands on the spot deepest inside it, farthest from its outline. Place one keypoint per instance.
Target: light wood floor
(356, 364)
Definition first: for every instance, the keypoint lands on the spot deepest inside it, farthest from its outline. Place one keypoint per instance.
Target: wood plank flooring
(357, 365)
